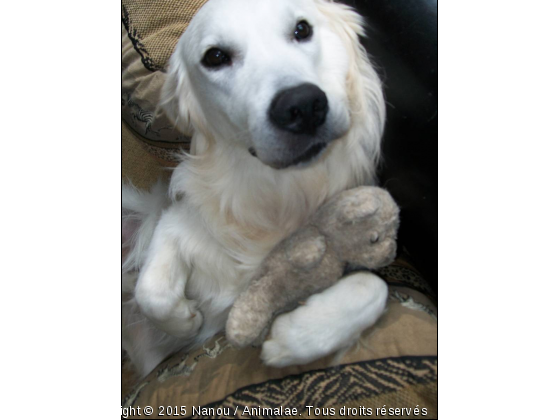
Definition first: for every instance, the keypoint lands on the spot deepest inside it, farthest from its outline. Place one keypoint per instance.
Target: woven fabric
(156, 26)
(138, 164)
(141, 89)
(150, 32)
(355, 390)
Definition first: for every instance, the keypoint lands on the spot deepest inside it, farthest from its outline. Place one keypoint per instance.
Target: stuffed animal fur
(356, 228)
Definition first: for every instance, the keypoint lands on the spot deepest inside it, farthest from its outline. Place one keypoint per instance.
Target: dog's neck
(255, 205)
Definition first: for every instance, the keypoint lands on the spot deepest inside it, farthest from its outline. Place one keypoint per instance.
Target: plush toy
(356, 228)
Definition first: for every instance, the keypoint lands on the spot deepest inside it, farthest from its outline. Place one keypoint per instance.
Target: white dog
(285, 110)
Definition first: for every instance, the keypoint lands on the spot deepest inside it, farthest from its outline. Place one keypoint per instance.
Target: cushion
(139, 164)
(150, 31)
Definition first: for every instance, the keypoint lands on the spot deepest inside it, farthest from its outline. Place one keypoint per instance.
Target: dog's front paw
(192, 321)
(290, 342)
(328, 322)
(274, 353)
(181, 320)
(280, 351)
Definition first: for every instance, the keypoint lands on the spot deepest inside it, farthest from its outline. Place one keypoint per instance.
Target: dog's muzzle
(299, 114)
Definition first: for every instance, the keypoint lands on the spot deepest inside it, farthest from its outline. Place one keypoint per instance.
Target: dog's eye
(215, 57)
(303, 30)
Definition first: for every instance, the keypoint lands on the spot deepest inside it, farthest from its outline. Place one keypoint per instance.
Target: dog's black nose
(300, 109)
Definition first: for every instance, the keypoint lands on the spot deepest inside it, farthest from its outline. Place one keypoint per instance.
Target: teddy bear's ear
(358, 204)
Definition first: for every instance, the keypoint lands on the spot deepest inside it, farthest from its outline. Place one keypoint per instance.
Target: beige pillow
(150, 31)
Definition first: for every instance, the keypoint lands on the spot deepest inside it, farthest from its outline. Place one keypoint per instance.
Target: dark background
(402, 41)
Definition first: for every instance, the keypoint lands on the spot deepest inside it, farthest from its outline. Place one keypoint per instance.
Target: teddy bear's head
(362, 225)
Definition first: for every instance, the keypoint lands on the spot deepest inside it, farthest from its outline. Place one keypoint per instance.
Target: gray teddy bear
(356, 228)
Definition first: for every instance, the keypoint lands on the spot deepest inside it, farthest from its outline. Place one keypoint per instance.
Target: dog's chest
(222, 269)
(224, 252)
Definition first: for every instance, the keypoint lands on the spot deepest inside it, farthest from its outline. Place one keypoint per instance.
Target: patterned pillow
(394, 367)
(150, 31)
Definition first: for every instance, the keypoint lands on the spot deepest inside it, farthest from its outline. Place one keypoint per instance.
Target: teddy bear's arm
(305, 249)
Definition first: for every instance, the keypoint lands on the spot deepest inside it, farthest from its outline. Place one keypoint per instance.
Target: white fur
(327, 322)
(191, 257)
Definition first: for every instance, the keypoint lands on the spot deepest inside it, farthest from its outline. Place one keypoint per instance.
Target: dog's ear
(363, 84)
(176, 95)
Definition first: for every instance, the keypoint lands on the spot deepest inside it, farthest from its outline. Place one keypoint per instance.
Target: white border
(60, 241)
(499, 72)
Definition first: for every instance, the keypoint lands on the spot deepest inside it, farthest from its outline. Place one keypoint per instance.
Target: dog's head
(282, 79)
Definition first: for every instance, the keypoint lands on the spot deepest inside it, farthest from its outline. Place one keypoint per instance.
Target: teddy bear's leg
(327, 322)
